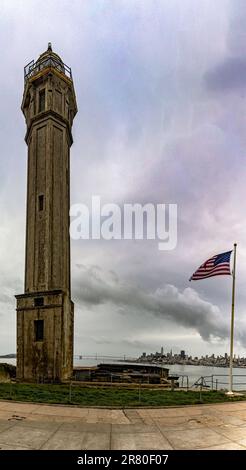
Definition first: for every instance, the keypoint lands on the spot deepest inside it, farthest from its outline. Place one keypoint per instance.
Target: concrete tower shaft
(45, 310)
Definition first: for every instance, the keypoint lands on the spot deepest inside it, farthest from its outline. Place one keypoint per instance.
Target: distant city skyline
(182, 357)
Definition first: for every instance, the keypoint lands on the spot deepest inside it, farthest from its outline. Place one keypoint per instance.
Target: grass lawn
(105, 396)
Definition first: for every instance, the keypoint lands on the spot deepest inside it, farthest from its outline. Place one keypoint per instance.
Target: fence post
(212, 381)
(201, 384)
(187, 380)
(139, 393)
(216, 385)
(70, 392)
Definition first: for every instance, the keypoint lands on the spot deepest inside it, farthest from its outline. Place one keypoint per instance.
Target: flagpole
(232, 321)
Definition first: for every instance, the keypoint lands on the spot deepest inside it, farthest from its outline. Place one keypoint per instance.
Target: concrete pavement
(35, 426)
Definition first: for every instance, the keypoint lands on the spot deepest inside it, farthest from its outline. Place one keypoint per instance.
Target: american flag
(217, 266)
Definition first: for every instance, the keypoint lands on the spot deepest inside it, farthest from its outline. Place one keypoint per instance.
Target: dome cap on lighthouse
(50, 58)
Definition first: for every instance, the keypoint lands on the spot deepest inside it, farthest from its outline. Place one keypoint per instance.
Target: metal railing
(32, 68)
(184, 379)
(214, 382)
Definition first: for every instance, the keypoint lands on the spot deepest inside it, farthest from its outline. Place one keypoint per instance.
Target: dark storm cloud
(94, 287)
(230, 75)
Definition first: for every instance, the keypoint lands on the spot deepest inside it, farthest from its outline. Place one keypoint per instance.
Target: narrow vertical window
(39, 330)
(41, 106)
(41, 202)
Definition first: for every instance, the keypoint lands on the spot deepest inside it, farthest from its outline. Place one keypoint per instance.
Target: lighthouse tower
(45, 311)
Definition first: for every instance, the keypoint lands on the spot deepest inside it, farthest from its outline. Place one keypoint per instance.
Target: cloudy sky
(161, 92)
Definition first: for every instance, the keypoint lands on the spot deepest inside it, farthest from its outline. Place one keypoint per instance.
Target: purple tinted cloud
(160, 91)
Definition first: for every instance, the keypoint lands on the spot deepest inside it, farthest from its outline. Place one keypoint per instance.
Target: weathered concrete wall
(47, 237)
(51, 358)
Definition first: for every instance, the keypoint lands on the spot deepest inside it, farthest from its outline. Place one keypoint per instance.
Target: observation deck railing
(32, 68)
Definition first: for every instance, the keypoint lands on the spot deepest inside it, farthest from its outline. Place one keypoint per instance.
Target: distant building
(124, 372)
(182, 354)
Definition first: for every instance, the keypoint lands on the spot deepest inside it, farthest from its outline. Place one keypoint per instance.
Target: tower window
(41, 106)
(39, 330)
(39, 302)
(41, 202)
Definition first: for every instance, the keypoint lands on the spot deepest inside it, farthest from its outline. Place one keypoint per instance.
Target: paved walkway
(27, 426)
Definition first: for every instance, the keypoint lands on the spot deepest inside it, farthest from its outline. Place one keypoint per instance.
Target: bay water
(193, 373)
